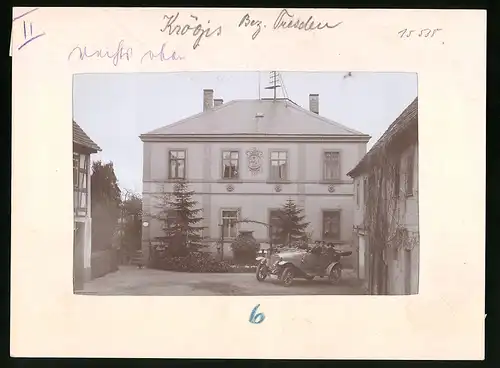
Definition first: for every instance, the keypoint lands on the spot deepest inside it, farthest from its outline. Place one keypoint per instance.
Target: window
(80, 183)
(170, 218)
(75, 169)
(409, 175)
(365, 190)
(230, 164)
(357, 193)
(177, 164)
(331, 225)
(274, 217)
(396, 179)
(278, 165)
(331, 165)
(229, 227)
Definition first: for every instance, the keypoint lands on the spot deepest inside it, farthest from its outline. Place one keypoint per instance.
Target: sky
(114, 109)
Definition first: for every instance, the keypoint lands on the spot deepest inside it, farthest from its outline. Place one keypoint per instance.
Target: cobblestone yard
(130, 280)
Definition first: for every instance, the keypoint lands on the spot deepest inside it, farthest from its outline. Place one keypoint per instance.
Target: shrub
(193, 262)
(243, 268)
(245, 248)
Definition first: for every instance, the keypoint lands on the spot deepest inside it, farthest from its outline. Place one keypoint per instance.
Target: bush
(193, 262)
(244, 248)
(243, 268)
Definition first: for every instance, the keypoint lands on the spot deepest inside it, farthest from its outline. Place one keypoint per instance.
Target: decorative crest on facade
(254, 160)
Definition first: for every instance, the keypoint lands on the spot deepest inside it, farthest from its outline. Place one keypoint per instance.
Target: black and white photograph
(246, 183)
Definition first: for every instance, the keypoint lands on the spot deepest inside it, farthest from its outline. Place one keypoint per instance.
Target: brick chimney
(208, 99)
(218, 102)
(314, 103)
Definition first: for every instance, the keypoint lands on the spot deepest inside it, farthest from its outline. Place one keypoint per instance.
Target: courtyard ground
(129, 280)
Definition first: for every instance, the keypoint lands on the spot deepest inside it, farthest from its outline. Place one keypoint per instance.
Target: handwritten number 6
(255, 317)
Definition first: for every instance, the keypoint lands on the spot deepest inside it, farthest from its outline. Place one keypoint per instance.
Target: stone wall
(104, 262)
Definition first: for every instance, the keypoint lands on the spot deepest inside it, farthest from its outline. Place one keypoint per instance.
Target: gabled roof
(81, 138)
(405, 122)
(256, 117)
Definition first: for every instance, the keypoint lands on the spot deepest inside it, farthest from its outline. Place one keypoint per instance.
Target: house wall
(407, 208)
(85, 239)
(254, 194)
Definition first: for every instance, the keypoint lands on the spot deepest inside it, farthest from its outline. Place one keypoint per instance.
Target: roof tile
(81, 138)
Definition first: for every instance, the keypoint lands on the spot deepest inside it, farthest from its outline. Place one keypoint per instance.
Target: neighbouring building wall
(254, 195)
(82, 214)
(404, 263)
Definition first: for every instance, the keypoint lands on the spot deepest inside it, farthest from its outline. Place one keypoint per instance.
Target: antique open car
(290, 264)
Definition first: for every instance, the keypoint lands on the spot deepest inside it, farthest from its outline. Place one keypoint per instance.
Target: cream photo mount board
(444, 321)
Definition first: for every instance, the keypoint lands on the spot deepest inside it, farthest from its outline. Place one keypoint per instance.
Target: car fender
(284, 263)
(331, 265)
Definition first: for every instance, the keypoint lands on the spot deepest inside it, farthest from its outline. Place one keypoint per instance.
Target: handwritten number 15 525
(424, 32)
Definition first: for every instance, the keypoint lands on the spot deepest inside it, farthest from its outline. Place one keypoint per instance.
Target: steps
(137, 259)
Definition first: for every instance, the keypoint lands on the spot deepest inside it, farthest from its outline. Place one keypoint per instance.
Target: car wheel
(335, 274)
(261, 272)
(286, 276)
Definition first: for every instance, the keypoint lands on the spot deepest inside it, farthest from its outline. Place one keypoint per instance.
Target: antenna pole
(274, 80)
(258, 75)
(274, 84)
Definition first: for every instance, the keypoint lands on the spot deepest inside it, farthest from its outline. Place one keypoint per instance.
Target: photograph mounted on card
(224, 180)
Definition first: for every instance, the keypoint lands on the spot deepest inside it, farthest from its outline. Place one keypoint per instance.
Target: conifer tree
(290, 222)
(182, 232)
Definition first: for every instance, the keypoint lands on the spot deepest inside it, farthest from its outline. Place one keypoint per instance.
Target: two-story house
(244, 158)
(386, 231)
(83, 147)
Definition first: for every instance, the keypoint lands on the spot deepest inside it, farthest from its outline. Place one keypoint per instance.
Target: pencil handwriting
(286, 20)
(120, 53)
(423, 32)
(196, 30)
(246, 21)
(162, 55)
(29, 34)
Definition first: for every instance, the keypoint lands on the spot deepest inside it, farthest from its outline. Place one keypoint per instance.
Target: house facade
(386, 226)
(83, 147)
(245, 158)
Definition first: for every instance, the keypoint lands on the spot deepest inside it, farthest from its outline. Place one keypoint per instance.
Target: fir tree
(181, 231)
(290, 222)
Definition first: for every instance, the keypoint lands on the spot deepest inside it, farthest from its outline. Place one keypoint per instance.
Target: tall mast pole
(274, 80)
(274, 84)
(258, 76)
